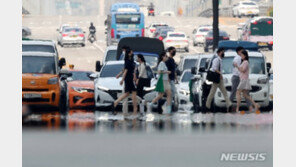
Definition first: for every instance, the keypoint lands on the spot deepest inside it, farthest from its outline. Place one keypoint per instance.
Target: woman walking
(128, 79)
(142, 78)
(163, 85)
(244, 85)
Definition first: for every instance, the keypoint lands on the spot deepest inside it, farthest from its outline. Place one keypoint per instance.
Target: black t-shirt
(171, 65)
(130, 67)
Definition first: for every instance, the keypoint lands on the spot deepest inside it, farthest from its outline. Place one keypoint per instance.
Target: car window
(38, 48)
(38, 64)
(177, 35)
(187, 76)
(256, 65)
(249, 3)
(111, 70)
(204, 29)
(203, 62)
(72, 30)
(189, 63)
(128, 18)
(81, 75)
(111, 55)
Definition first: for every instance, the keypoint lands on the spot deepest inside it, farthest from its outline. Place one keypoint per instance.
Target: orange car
(41, 84)
(81, 89)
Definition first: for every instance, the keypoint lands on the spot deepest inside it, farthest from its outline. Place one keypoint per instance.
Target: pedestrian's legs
(235, 82)
(245, 94)
(123, 96)
(159, 96)
(135, 102)
(224, 92)
(169, 104)
(249, 103)
(173, 91)
(238, 99)
(211, 95)
(140, 88)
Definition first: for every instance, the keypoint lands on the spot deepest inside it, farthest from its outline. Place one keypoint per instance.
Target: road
(44, 27)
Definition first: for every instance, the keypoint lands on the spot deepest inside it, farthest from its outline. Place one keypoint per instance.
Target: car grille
(35, 90)
(113, 93)
(88, 100)
(36, 100)
(254, 88)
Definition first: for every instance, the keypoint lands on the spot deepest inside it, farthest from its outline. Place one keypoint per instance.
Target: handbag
(213, 76)
(159, 85)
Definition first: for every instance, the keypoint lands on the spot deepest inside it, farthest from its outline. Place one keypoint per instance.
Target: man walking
(217, 67)
(235, 77)
(171, 65)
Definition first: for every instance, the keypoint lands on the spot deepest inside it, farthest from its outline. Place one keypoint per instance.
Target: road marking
(99, 47)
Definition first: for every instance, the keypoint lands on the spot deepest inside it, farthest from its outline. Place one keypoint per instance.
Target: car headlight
(103, 88)
(148, 89)
(53, 81)
(82, 90)
(184, 92)
(262, 80)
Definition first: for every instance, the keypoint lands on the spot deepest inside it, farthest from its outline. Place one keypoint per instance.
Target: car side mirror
(62, 62)
(193, 70)
(268, 66)
(98, 66)
(64, 74)
(93, 76)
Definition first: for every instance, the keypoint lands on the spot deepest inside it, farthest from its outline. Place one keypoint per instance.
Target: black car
(162, 32)
(209, 39)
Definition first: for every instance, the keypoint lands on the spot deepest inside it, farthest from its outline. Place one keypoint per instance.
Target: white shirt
(142, 71)
(237, 60)
(163, 67)
(216, 63)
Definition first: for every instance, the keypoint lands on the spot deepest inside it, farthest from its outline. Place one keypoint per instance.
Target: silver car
(71, 36)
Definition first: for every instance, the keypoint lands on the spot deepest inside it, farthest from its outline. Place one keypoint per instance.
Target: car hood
(30, 79)
(110, 82)
(81, 84)
(184, 85)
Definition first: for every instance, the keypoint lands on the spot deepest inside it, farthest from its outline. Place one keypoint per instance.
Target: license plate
(32, 96)
(74, 36)
(262, 44)
(250, 12)
(177, 46)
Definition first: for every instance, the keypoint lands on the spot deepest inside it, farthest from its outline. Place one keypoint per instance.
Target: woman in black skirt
(142, 78)
(128, 78)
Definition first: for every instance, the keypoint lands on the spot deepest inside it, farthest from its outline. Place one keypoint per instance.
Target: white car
(183, 87)
(107, 87)
(71, 36)
(178, 40)
(199, 34)
(187, 62)
(152, 28)
(259, 79)
(110, 54)
(245, 8)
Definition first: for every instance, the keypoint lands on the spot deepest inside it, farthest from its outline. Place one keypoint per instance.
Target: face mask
(173, 53)
(222, 55)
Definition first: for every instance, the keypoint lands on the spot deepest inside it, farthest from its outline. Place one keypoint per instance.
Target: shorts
(129, 86)
(166, 85)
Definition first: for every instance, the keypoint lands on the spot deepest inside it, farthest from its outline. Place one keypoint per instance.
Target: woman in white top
(142, 78)
(162, 69)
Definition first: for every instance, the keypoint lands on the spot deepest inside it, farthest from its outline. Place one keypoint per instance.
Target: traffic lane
(138, 149)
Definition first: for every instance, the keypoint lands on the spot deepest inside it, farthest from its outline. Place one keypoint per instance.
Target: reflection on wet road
(81, 120)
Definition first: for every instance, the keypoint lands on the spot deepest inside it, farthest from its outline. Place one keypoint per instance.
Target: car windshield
(81, 75)
(177, 35)
(204, 29)
(151, 60)
(221, 34)
(186, 77)
(189, 63)
(111, 55)
(38, 64)
(38, 48)
(128, 18)
(72, 30)
(203, 62)
(249, 3)
(111, 70)
(256, 65)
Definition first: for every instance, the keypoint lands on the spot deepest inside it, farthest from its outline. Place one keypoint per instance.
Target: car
(179, 40)
(186, 63)
(152, 28)
(167, 13)
(71, 36)
(110, 54)
(37, 45)
(107, 87)
(271, 90)
(183, 87)
(209, 39)
(245, 8)
(26, 31)
(43, 81)
(161, 32)
(232, 45)
(62, 27)
(259, 80)
(80, 89)
(198, 34)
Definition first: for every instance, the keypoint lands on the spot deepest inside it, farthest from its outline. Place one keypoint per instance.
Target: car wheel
(82, 45)
(62, 45)
(186, 49)
(270, 47)
(194, 44)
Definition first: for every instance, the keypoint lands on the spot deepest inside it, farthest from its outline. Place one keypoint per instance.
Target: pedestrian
(171, 65)
(128, 80)
(124, 48)
(217, 68)
(244, 84)
(163, 85)
(235, 77)
(142, 77)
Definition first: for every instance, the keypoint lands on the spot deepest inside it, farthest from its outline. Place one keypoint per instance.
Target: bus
(260, 31)
(124, 20)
